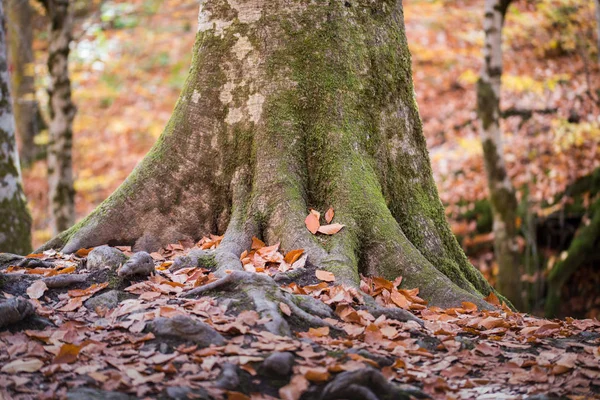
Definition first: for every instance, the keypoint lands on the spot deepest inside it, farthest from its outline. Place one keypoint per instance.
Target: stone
(186, 328)
(108, 300)
(278, 364)
(194, 259)
(105, 256)
(140, 264)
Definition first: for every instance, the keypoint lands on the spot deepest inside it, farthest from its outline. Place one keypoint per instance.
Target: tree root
(267, 297)
(14, 310)
(362, 384)
(61, 281)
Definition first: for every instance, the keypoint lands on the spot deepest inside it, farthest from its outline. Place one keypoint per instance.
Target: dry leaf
(329, 215)
(312, 223)
(27, 365)
(493, 299)
(83, 252)
(293, 390)
(96, 287)
(285, 309)
(330, 229)
(37, 289)
(257, 243)
(324, 275)
(67, 354)
(293, 255)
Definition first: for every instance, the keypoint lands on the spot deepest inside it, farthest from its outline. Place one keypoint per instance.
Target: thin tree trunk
(21, 57)
(62, 113)
(598, 26)
(291, 105)
(15, 221)
(502, 193)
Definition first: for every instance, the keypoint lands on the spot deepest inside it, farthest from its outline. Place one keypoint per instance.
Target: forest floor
(138, 337)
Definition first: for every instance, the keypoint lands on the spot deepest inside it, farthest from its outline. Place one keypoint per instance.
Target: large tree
(15, 221)
(290, 106)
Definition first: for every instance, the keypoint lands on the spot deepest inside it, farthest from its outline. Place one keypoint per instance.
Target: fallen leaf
(329, 215)
(293, 390)
(37, 289)
(285, 309)
(83, 252)
(26, 365)
(257, 243)
(293, 255)
(312, 223)
(96, 287)
(493, 299)
(330, 229)
(324, 275)
(67, 354)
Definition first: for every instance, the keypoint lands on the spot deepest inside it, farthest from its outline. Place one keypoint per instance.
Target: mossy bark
(62, 113)
(288, 107)
(502, 194)
(15, 221)
(25, 106)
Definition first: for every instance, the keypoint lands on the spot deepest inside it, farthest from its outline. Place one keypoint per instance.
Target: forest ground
(142, 336)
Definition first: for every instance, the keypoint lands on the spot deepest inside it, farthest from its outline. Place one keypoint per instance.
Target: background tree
(21, 58)
(286, 108)
(502, 194)
(62, 113)
(15, 222)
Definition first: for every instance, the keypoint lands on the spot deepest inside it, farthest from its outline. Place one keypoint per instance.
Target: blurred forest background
(129, 60)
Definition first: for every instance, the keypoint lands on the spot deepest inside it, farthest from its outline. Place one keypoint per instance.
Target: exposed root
(14, 310)
(61, 281)
(398, 314)
(266, 297)
(363, 384)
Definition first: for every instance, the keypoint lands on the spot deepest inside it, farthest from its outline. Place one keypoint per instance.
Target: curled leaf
(325, 275)
(329, 215)
(37, 289)
(330, 229)
(312, 223)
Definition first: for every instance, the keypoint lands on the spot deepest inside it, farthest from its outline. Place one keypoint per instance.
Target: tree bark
(502, 194)
(15, 221)
(291, 106)
(21, 57)
(598, 26)
(62, 113)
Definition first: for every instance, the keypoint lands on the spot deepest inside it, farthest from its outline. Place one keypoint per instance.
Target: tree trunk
(598, 26)
(25, 105)
(62, 113)
(15, 221)
(502, 193)
(291, 106)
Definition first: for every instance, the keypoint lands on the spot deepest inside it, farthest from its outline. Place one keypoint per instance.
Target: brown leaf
(312, 223)
(293, 390)
(67, 354)
(493, 299)
(324, 275)
(257, 243)
(96, 287)
(26, 365)
(468, 306)
(330, 229)
(72, 305)
(293, 255)
(83, 252)
(37, 289)
(400, 300)
(329, 215)
(285, 309)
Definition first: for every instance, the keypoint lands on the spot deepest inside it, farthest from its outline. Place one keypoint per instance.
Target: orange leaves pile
(313, 223)
(269, 260)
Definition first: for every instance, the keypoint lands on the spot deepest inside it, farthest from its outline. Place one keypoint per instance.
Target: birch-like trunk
(598, 26)
(290, 106)
(62, 113)
(21, 59)
(502, 193)
(15, 221)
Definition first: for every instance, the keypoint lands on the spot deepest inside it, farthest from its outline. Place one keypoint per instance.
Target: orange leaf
(468, 306)
(257, 243)
(330, 229)
(324, 275)
(285, 309)
(67, 270)
(400, 300)
(237, 396)
(67, 354)
(293, 256)
(312, 223)
(329, 215)
(83, 252)
(493, 299)
(96, 287)
(293, 390)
